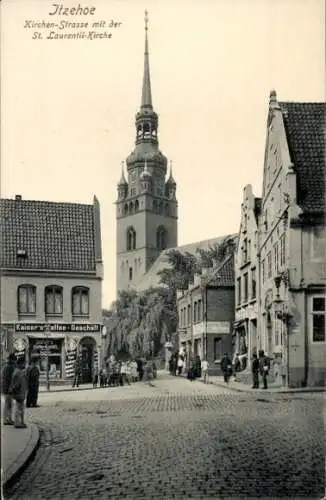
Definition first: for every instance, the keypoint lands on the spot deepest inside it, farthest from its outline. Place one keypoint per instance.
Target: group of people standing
(195, 369)
(118, 373)
(19, 384)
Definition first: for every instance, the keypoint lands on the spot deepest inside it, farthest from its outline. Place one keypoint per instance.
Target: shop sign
(44, 346)
(198, 328)
(57, 327)
(218, 327)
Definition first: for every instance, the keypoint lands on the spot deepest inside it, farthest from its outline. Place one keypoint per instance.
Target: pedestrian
(204, 369)
(236, 365)
(170, 364)
(255, 371)
(140, 369)
(33, 382)
(18, 391)
(7, 373)
(226, 367)
(264, 366)
(124, 373)
(95, 375)
(197, 367)
(77, 373)
(180, 365)
(134, 372)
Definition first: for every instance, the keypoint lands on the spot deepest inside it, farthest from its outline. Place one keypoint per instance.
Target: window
(245, 251)
(53, 300)
(239, 291)
(195, 312)
(282, 250)
(319, 242)
(245, 287)
(130, 273)
(131, 238)
(80, 301)
(132, 191)
(27, 299)
(269, 264)
(188, 315)
(263, 271)
(318, 319)
(161, 238)
(276, 257)
(253, 283)
(136, 206)
(217, 348)
(199, 311)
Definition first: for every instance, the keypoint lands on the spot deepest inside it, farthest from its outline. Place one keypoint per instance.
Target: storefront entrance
(88, 356)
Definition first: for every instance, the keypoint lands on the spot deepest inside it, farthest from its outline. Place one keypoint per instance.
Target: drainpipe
(206, 340)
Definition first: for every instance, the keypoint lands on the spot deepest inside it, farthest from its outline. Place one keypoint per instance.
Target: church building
(146, 207)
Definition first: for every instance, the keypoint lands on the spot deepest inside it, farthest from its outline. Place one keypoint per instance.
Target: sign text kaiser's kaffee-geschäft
(57, 327)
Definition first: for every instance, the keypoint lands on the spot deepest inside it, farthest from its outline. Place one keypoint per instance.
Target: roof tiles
(305, 130)
(55, 236)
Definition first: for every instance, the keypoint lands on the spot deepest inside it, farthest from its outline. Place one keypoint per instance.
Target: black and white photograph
(163, 249)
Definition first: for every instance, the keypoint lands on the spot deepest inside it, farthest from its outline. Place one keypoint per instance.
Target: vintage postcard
(163, 249)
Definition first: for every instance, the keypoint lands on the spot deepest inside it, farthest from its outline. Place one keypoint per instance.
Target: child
(18, 392)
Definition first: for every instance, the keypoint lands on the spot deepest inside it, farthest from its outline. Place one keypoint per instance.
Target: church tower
(146, 208)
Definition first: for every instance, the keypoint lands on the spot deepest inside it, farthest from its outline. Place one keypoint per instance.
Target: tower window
(130, 273)
(161, 238)
(131, 238)
(131, 208)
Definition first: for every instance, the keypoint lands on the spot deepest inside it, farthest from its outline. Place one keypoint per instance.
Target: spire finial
(146, 98)
(146, 20)
(170, 168)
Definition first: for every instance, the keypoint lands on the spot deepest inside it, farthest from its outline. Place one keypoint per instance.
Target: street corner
(18, 448)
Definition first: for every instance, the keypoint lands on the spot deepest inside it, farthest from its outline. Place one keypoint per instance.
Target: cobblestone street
(175, 439)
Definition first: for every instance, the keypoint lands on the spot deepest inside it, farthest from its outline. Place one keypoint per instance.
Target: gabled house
(292, 241)
(246, 334)
(51, 284)
(206, 313)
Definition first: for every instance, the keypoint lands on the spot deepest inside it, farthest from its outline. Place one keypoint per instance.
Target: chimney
(18, 197)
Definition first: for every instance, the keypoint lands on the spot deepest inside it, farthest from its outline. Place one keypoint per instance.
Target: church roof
(305, 129)
(150, 279)
(47, 235)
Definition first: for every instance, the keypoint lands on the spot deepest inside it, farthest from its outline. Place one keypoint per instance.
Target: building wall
(66, 331)
(145, 223)
(286, 253)
(246, 277)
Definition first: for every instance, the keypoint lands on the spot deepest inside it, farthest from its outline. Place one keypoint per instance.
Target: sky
(68, 106)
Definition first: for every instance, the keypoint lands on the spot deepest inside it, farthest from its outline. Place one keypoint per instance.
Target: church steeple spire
(146, 98)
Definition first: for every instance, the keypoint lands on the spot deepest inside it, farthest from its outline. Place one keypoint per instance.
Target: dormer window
(21, 253)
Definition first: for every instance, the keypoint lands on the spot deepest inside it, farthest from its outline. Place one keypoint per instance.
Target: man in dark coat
(264, 366)
(77, 373)
(32, 378)
(7, 372)
(226, 367)
(255, 371)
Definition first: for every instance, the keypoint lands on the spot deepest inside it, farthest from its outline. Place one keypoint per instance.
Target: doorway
(87, 353)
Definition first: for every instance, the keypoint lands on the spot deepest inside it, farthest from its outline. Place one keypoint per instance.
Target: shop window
(217, 348)
(26, 296)
(80, 301)
(53, 300)
(318, 319)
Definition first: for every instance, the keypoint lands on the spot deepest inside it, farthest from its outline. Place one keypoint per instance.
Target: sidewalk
(18, 446)
(64, 388)
(273, 389)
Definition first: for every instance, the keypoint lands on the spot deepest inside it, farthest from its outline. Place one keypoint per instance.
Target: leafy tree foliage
(140, 323)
